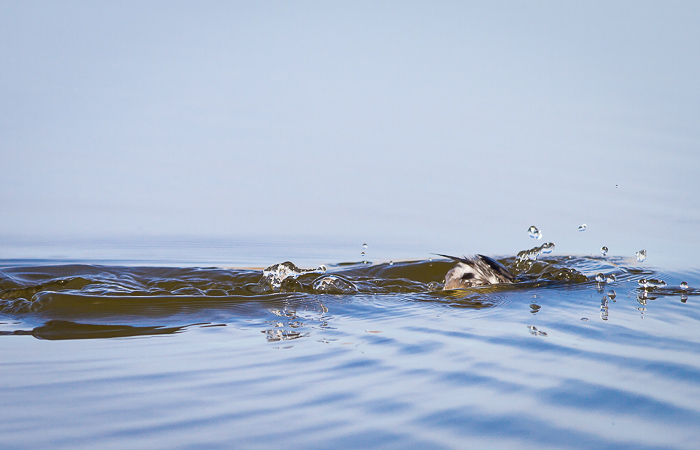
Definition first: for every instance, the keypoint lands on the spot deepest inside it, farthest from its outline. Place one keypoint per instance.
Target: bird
(478, 271)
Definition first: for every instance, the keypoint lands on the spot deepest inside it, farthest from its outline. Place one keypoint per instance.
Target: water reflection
(99, 301)
(64, 329)
(528, 364)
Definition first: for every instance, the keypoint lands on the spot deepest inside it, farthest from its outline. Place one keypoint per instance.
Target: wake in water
(75, 301)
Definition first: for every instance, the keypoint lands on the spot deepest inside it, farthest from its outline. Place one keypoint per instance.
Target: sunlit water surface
(357, 355)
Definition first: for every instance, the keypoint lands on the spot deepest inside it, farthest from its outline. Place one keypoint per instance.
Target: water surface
(378, 355)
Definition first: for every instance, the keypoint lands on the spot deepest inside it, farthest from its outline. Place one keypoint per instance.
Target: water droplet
(364, 245)
(585, 319)
(548, 247)
(582, 227)
(643, 283)
(600, 277)
(684, 285)
(656, 283)
(612, 295)
(641, 255)
(391, 263)
(534, 232)
(434, 286)
(604, 250)
(611, 278)
(362, 254)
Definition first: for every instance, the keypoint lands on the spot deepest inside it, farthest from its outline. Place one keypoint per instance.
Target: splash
(277, 275)
(333, 284)
(534, 253)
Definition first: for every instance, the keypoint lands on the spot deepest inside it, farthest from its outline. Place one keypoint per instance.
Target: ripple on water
(396, 357)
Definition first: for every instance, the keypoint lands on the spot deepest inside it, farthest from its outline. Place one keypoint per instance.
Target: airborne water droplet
(391, 263)
(604, 250)
(534, 232)
(364, 245)
(582, 227)
(611, 278)
(684, 285)
(600, 277)
(641, 255)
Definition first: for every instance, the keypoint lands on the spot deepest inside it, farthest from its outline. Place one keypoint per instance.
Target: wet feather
(478, 271)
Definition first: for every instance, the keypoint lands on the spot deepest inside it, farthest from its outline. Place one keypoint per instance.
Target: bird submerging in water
(478, 271)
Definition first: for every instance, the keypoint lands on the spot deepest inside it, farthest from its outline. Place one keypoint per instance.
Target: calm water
(361, 355)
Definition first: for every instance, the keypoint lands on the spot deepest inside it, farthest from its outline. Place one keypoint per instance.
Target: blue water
(119, 356)
(158, 156)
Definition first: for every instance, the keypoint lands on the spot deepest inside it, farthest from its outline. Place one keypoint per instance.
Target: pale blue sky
(450, 124)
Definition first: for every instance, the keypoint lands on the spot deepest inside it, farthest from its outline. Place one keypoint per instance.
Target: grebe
(478, 271)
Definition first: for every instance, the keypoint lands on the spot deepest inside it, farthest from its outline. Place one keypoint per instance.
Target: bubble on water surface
(582, 227)
(684, 285)
(611, 278)
(641, 255)
(651, 283)
(656, 283)
(534, 232)
(604, 250)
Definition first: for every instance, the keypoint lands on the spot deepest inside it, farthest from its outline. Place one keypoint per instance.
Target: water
(359, 355)
(158, 163)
